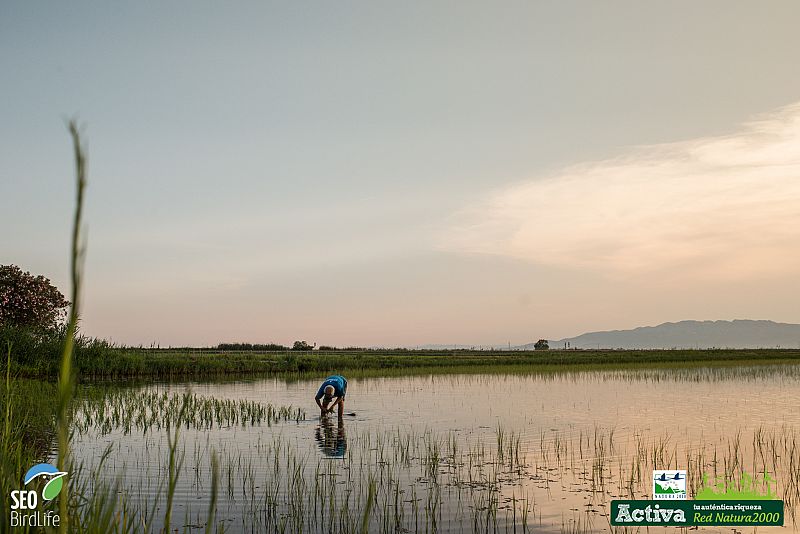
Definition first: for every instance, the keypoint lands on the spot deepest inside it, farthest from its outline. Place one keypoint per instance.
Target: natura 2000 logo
(25, 502)
(669, 484)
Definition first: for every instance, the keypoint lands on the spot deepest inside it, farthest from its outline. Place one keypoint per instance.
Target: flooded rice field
(523, 452)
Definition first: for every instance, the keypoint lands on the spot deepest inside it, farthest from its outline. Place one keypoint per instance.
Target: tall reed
(66, 381)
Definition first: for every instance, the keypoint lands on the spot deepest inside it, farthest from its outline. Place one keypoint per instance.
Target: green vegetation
(109, 408)
(97, 359)
(37, 352)
(29, 413)
(746, 487)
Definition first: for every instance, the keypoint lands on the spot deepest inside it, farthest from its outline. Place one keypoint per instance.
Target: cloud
(722, 207)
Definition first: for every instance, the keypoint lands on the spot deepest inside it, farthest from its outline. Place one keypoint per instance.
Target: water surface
(438, 446)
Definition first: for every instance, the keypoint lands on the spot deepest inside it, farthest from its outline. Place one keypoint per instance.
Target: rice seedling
(110, 409)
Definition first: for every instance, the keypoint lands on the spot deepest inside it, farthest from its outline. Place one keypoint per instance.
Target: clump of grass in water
(175, 467)
(298, 494)
(212, 503)
(107, 409)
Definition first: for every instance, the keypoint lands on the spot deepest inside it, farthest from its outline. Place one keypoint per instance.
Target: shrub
(32, 345)
(29, 301)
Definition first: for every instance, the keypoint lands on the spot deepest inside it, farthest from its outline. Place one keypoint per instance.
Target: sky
(406, 173)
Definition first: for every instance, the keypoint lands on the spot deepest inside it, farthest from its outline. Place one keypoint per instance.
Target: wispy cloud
(723, 207)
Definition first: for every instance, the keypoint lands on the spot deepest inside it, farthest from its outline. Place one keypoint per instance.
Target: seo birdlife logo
(25, 502)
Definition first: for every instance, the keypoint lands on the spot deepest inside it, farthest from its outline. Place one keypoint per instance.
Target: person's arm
(320, 393)
(335, 404)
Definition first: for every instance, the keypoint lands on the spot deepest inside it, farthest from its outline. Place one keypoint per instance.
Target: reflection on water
(470, 452)
(331, 437)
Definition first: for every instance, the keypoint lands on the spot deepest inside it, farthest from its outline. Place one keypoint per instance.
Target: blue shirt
(339, 384)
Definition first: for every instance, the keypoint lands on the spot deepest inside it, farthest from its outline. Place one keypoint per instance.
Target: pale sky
(406, 173)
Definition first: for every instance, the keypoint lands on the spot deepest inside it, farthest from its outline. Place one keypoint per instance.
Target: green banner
(685, 513)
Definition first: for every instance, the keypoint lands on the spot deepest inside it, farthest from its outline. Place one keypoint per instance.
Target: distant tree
(302, 345)
(541, 345)
(29, 301)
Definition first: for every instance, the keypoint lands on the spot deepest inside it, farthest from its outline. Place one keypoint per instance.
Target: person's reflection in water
(331, 437)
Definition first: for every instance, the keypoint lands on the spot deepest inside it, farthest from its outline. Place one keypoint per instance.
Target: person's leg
(341, 408)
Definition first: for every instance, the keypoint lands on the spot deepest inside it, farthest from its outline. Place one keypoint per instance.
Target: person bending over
(334, 387)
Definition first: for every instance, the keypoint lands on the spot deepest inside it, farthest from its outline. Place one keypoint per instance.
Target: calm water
(431, 445)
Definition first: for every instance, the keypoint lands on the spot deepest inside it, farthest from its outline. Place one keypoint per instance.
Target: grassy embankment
(28, 409)
(97, 360)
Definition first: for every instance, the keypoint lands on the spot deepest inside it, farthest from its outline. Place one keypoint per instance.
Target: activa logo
(26, 500)
(652, 513)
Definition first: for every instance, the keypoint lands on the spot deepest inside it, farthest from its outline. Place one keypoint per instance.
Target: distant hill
(738, 334)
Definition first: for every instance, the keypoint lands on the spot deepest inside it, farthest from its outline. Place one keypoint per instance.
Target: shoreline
(119, 363)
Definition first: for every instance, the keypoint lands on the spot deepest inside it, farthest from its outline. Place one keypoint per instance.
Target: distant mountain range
(738, 334)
